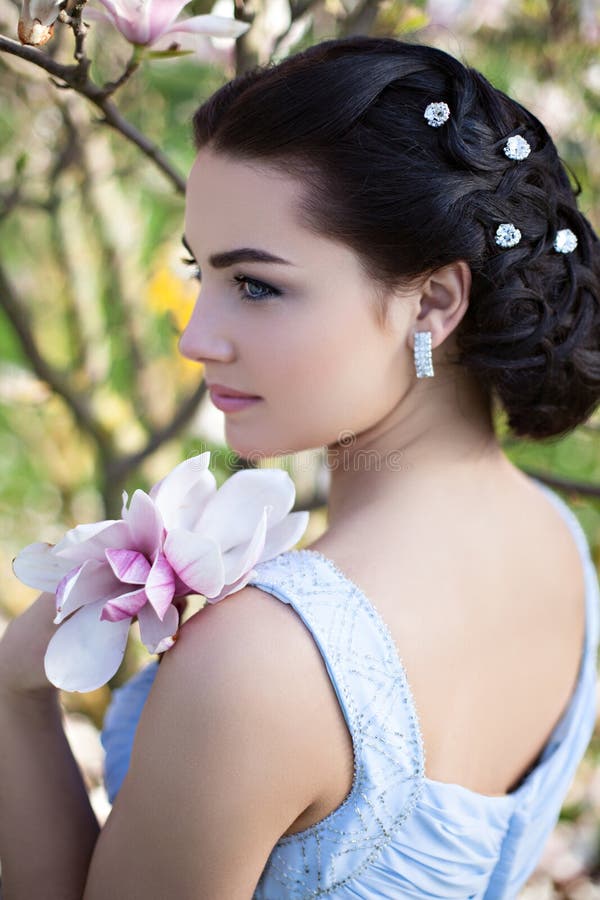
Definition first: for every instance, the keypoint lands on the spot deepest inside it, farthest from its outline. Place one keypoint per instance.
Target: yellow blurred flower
(167, 292)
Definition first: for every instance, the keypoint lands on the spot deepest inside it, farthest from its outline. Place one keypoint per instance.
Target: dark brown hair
(346, 118)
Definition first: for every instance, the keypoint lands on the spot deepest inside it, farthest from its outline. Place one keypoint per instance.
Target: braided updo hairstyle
(346, 117)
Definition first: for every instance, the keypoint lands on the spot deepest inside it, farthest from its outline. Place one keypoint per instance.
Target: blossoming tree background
(95, 106)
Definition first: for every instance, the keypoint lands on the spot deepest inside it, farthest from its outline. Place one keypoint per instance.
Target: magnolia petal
(38, 566)
(196, 560)
(216, 26)
(98, 15)
(45, 11)
(145, 523)
(160, 585)
(181, 496)
(279, 538)
(85, 652)
(133, 27)
(158, 636)
(82, 533)
(240, 560)
(184, 474)
(162, 14)
(285, 534)
(231, 515)
(125, 606)
(86, 583)
(62, 589)
(232, 588)
(129, 566)
(181, 589)
(192, 505)
(135, 18)
(90, 541)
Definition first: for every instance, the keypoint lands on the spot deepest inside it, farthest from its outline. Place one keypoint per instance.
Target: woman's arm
(47, 827)
(227, 755)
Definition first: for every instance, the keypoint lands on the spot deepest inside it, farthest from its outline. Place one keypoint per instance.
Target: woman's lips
(231, 404)
(225, 391)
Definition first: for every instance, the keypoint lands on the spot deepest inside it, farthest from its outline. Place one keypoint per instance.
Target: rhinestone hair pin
(565, 241)
(517, 148)
(507, 235)
(437, 113)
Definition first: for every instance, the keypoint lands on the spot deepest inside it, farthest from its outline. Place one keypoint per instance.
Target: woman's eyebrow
(243, 254)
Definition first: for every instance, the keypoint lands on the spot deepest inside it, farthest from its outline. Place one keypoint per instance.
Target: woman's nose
(203, 338)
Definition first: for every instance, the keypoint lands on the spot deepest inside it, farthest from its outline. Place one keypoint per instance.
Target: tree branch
(564, 484)
(73, 77)
(118, 469)
(132, 66)
(55, 380)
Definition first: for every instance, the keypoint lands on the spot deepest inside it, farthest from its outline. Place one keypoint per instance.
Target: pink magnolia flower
(184, 537)
(152, 23)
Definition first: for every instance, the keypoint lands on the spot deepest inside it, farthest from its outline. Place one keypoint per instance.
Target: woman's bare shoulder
(232, 710)
(489, 585)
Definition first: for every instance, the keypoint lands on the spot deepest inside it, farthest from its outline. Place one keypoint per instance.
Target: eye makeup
(268, 292)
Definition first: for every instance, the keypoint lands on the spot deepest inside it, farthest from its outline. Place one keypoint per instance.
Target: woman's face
(301, 334)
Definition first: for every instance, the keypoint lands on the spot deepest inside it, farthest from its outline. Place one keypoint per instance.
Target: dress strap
(372, 689)
(592, 588)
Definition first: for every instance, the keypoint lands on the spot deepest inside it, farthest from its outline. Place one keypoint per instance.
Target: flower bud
(36, 23)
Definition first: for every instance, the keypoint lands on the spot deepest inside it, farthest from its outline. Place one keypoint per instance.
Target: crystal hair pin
(437, 113)
(517, 148)
(507, 235)
(565, 241)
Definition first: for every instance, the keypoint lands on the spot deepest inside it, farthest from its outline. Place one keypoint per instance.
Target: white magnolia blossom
(154, 24)
(184, 537)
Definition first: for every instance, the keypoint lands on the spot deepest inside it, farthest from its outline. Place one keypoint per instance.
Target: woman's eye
(258, 290)
(255, 290)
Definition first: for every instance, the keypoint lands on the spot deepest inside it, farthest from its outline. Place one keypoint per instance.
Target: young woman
(399, 709)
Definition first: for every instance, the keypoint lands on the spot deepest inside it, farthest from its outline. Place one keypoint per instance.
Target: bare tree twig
(299, 7)
(360, 20)
(319, 498)
(73, 77)
(112, 268)
(118, 469)
(14, 199)
(132, 66)
(297, 11)
(77, 403)
(564, 484)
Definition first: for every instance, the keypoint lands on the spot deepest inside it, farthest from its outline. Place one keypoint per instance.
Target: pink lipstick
(228, 399)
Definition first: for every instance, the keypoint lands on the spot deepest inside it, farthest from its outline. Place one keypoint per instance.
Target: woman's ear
(444, 301)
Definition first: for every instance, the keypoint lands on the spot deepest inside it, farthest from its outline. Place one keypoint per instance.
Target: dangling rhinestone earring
(422, 354)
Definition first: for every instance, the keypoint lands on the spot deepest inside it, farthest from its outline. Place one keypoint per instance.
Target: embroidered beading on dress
(372, 688)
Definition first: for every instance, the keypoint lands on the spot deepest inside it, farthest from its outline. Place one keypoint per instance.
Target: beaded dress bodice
(397, 833)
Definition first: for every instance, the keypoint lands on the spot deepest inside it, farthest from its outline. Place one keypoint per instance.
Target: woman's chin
(256, 453)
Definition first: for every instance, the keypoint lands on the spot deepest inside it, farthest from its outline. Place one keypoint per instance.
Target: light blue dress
(398, 834)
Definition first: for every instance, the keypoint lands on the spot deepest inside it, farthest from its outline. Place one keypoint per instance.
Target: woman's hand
(23, 647)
